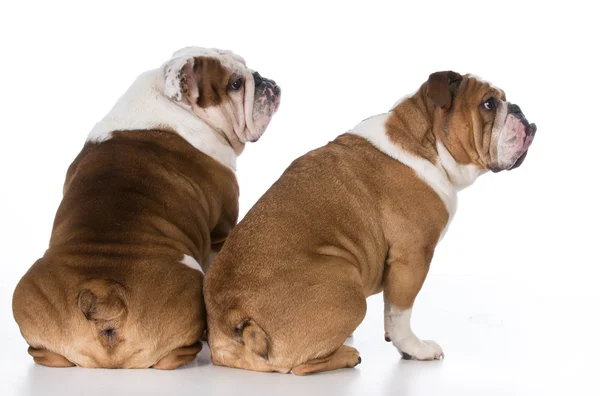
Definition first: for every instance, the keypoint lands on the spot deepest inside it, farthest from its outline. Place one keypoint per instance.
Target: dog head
(218, 87)
(475, 123)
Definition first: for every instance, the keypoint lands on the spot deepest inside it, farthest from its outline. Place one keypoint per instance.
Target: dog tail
(102, 300)
(250, 334)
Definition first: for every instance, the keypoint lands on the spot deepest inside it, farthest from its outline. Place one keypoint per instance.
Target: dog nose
(257, 79)
(516, 110)
(513, 108)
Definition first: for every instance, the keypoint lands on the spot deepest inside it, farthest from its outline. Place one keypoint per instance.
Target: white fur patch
(173, 78)
(397, 327)
(191, 262)
(145, 106)
(460, 175)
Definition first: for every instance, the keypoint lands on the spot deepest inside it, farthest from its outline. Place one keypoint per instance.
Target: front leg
(404, 277)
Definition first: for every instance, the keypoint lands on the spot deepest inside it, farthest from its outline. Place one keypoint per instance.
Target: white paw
(413, 348)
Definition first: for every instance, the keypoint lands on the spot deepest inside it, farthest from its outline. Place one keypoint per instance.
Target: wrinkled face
(218, 87)
(476, 123)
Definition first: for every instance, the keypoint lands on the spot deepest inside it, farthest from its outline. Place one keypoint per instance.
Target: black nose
(257, 79)
(513, 108)
(516, 110)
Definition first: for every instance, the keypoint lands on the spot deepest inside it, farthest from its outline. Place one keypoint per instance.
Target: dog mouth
(277, 98)
(267, 97)
(531, 129)
(513, 140)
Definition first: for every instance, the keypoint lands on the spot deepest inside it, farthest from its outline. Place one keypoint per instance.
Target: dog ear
(196, 80)
(441, 87)
(178, 75)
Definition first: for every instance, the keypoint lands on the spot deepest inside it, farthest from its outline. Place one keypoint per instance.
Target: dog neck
(375, 130)
(413, 143)
(460, 175)
(411, 125)
(145, 107)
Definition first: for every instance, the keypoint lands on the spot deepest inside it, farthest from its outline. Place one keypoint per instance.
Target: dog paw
(416, 349)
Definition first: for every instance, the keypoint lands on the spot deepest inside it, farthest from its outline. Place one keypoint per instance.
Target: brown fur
(212, 80)
(111, 291)
(343, 222)
(204, 81)
(410, 126)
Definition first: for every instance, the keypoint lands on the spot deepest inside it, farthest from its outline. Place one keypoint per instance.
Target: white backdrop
(63, 66)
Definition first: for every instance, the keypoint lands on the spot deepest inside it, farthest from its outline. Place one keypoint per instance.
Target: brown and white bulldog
(361, 215)
(147, 202)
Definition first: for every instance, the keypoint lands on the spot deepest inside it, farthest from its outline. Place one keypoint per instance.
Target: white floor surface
(500, 336)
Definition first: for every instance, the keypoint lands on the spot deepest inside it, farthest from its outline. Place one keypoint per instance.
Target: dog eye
(490, 104)
(237, 84)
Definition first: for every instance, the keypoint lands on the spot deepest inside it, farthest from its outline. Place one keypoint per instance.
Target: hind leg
(321, 350)
(226, 351)
(47, 358)
(178, 357)
(344, 356)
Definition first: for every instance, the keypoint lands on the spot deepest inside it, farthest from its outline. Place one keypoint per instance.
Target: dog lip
(531, 129)
(519, 161)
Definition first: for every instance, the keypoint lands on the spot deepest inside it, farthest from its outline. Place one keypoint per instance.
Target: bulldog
(361, 215)
(147, 203)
